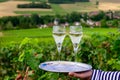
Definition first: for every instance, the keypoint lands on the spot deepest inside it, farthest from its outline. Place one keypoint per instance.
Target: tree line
(35, 20)
(34, 5)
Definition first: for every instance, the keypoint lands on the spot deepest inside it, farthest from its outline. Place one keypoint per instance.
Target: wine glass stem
(59, 45)
(75, 56)
(75, 52)
(59, 50)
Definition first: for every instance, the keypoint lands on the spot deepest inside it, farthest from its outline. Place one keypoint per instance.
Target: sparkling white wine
(75, 38)
(59, 37)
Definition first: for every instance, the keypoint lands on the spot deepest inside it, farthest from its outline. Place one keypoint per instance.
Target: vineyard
(45, 34)
(28, 48)
(99, 51)
(26, 38)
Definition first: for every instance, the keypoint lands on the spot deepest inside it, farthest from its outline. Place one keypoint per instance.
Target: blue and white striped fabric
(105, 75)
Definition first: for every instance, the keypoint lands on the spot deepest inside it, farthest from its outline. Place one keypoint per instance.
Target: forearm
(105, 75)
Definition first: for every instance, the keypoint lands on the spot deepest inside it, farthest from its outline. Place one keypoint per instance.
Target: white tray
(64, 66)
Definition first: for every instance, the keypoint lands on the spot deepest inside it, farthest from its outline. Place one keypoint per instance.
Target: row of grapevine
(102, 52)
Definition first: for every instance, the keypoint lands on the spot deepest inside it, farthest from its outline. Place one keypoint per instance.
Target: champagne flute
(59, 35)
(75, 36)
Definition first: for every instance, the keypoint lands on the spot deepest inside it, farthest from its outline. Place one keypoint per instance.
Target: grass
(35, 12)
(28, 32)
(79, 7)
(63, 9)
(18, 35)
(58, 9)
(101, 31)
(46, 34)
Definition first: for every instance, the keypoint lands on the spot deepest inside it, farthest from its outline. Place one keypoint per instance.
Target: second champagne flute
(59, 35)
(75, 36)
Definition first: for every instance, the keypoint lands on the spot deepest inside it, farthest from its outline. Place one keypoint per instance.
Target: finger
(75, 75)
(70, 73)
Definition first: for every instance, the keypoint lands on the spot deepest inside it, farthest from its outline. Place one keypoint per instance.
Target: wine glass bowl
(76, 34)
(59, 33)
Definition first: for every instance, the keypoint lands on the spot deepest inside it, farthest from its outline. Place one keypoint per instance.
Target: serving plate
(64, 66)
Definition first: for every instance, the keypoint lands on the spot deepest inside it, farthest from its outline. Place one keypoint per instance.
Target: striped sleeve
(105, 75)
